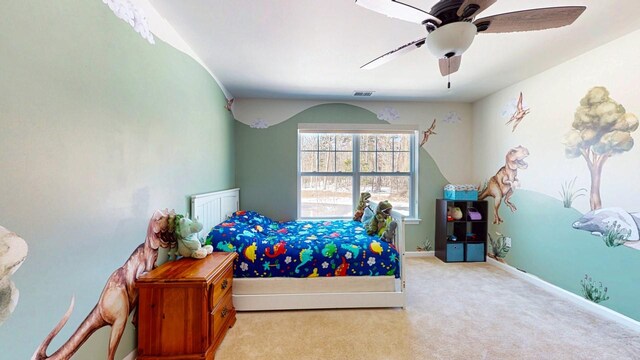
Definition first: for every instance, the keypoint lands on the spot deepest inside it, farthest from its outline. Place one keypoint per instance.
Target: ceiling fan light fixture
(452, 39)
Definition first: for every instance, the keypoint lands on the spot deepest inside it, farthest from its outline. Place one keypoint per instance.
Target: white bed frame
(254, 294)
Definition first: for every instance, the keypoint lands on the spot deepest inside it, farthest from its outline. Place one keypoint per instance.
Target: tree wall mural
(601, 128)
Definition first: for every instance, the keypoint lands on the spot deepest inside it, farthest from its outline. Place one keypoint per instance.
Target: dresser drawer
(220, 288)
(182, 306)
(221, 316)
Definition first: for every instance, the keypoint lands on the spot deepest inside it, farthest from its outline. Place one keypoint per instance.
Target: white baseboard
(418, 253)
(575, 299)
(132, 355)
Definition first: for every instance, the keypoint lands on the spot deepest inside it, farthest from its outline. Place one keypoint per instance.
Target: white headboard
(213, 208)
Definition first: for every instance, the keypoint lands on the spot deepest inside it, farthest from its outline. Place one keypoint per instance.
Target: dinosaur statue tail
(92, 322)
(41, 352)
(483, 190)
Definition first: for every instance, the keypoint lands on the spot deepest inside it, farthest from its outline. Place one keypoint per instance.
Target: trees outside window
(334, 168)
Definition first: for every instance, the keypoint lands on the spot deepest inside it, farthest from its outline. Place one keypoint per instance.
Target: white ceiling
(313, 49)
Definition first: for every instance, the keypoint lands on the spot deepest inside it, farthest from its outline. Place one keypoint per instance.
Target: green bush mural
(568, 194)
(615, 235)
(593, 292)
(499, 247)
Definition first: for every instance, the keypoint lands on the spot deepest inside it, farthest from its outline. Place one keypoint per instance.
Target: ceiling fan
(451, 26)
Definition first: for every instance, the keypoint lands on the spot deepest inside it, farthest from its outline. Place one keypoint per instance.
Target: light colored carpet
(454, 311)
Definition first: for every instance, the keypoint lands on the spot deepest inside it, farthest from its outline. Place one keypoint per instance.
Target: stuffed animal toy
(378, 222)
(362, 204)
(188, 243)
(454, 212)
(389, 232)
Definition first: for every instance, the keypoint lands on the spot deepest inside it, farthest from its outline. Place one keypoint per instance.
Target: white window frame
(355, 174)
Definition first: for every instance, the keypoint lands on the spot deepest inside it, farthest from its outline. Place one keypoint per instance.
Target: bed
(302, 264)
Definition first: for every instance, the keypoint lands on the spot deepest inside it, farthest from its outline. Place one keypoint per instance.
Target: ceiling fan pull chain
(449, 75)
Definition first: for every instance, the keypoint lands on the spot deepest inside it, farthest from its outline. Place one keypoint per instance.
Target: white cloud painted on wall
(259, 124)
(389, 114)
(128, 12)
(511, 107)
(452, 118)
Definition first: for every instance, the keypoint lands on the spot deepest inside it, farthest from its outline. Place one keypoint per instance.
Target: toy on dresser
(188, 243)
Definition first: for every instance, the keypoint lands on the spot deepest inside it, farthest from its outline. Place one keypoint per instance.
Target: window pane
(367, 142)
(367, 163)
(393, 188)
(327, 161)
(327, 142)
(401, 142)
(308, 161)
(344, 161)
(308, 141)
(401, 162)
(384, 142)
(384, 162)
(344, 142)
(326, 196)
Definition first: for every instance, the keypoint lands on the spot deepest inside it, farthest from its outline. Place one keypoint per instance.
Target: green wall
(267, 163)
(98, 128)
(562, 255)
(544, 243)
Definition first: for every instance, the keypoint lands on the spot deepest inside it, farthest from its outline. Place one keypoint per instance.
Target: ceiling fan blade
(449, 65)
(398, 10)
(383, 59)
(472, 12)
(530, 20)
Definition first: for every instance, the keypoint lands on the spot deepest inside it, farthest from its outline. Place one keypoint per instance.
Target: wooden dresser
(185, 308)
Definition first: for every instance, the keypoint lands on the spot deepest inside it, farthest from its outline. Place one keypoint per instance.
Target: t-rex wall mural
(119, 297)
(13, 252)
(504, 182)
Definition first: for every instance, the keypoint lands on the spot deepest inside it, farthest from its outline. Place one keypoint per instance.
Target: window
(335, 166)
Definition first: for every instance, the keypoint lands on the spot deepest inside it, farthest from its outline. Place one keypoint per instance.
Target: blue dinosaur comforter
(268, 248)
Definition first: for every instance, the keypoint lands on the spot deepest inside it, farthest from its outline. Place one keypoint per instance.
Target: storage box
(455, 252)
(475, 252)
(463, 195)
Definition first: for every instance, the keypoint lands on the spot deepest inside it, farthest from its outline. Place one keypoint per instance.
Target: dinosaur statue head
(365, 196)
(159, 226)
(515, 158)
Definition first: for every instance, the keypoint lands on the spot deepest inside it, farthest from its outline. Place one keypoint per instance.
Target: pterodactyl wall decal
(430, 131)
(518, 115)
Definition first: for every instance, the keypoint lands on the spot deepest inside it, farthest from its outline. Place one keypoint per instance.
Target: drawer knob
(224, 312)
(225, 283)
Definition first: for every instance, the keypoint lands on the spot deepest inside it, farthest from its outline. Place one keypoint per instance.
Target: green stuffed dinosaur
(363, 203)
(378, 222)
(188, 243)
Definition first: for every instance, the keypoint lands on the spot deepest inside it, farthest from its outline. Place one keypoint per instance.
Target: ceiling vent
(363, 93)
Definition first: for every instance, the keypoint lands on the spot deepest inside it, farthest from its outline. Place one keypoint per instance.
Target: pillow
(251, 218)
(367, 216)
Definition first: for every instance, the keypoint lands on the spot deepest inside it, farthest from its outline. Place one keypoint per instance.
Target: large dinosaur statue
(504, 182)
(119, 296)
